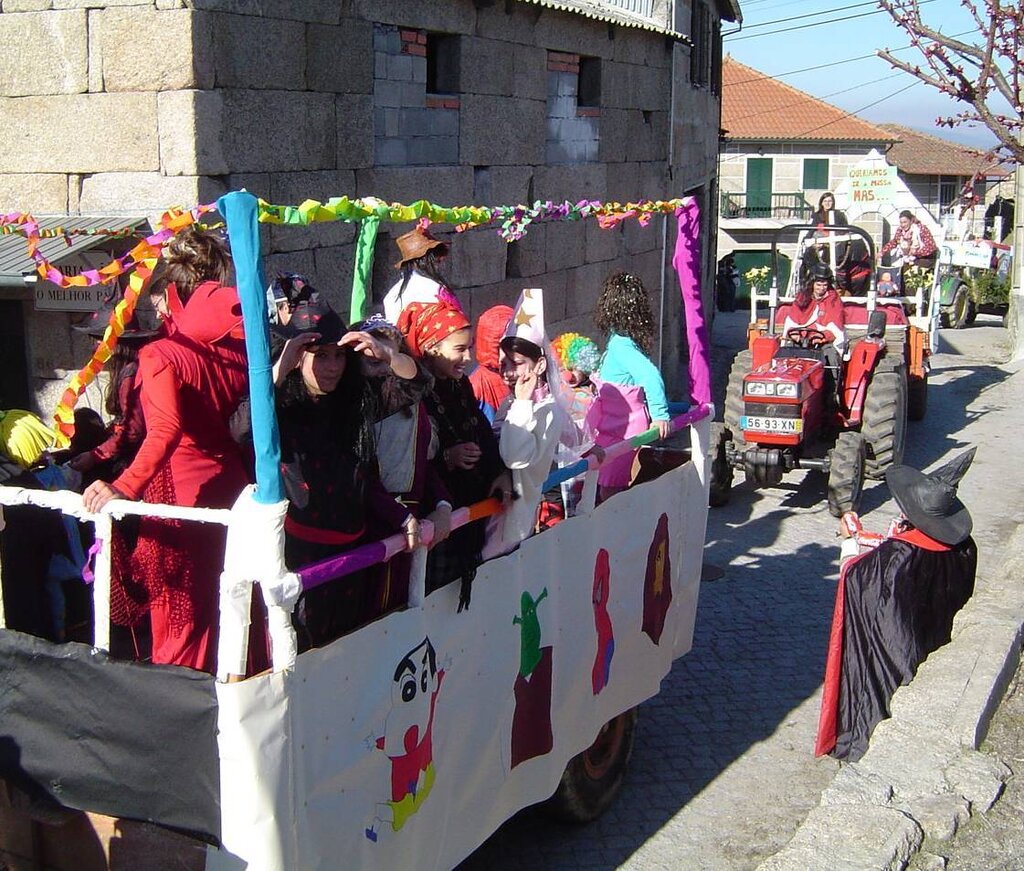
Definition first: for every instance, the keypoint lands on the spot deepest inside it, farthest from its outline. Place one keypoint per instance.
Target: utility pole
(1016, 318)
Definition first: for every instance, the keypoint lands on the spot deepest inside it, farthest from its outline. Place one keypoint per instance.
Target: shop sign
(50, 297)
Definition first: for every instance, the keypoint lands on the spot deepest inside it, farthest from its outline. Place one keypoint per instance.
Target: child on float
(532, 424)
(421, 264)
(578, 358)
(406, 445)
(631, 393)
(325, 411)
(468, 460)
(488, 383)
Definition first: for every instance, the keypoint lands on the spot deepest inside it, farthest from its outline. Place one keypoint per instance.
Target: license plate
(772, 424)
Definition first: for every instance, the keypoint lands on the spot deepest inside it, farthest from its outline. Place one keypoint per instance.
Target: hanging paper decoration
(138, 264)
(64, 414)
(513, 220)
(364, 267)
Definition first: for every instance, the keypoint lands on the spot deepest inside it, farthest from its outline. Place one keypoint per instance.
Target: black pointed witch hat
(929, 501)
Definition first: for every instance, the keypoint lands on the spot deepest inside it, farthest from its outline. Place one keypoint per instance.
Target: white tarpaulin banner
(406, 743)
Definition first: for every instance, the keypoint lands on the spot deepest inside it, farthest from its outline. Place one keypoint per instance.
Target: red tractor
(794, 403)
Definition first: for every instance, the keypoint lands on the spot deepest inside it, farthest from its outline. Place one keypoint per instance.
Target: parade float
(409, 741)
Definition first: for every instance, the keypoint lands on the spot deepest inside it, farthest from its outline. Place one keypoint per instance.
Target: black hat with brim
(144, 322)
(313, 316)
(929, 501)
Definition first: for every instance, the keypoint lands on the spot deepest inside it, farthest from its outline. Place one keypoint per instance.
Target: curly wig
(624, 308)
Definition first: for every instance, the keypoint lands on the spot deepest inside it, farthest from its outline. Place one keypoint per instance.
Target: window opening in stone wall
(815, 173)
(412, 126)
(442, 63)
(588, 94)
(700, 50)
(573, 108)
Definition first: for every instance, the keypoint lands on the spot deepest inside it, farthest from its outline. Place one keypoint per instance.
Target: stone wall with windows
(128, 106)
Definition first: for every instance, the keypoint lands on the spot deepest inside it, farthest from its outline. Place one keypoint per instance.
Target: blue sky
(868, 86)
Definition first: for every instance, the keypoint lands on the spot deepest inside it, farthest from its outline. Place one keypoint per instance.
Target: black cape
(894, 606)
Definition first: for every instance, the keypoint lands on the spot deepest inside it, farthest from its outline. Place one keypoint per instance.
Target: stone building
(124, 107)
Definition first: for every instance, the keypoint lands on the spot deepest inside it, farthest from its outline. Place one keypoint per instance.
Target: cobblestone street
(723, 770)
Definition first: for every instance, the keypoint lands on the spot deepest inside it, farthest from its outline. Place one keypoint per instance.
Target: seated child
(532, 425)
(631, 393)
(438, 334)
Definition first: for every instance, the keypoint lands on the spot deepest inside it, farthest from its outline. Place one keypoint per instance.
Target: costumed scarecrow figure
(895, 603)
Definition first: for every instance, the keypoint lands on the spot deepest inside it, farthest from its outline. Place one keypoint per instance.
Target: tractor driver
(817, 314)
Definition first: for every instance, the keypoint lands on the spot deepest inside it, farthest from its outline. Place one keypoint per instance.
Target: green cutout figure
(529, 635)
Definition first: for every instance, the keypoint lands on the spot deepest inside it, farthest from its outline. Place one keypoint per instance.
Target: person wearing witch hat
(421, 264)
(895, 603)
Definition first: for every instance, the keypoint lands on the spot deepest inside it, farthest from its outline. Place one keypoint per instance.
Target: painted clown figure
(408, 737)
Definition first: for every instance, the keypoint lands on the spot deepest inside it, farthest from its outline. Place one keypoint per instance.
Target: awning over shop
(17, 269)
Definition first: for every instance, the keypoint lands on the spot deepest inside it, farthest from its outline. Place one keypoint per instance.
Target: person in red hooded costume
(192, 381)
(488, 385)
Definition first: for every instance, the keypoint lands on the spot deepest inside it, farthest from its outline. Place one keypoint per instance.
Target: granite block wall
(454, 101)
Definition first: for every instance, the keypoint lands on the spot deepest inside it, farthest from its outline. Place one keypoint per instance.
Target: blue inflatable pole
(240, 210)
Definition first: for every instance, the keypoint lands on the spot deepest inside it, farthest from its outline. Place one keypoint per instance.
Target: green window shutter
(815, 173)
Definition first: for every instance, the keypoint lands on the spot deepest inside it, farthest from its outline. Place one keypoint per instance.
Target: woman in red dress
(192, 381)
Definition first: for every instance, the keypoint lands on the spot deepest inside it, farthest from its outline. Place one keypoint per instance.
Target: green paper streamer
(364, 266)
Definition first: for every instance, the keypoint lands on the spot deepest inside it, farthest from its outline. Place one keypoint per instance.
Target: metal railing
(746, 205)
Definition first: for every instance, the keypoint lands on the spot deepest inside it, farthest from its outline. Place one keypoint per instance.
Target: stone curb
(923, 775)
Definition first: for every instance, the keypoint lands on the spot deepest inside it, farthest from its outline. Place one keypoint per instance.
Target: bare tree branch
(974, 74)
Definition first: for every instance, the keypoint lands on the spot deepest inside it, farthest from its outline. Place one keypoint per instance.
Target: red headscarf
(426, 324)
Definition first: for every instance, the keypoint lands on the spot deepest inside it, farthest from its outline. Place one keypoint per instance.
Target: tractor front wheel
(593, 778)
(846, 473)
(721, 470)
(734, 408)
(884, 419)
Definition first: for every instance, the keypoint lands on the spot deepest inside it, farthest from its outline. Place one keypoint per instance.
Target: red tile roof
(920, 153)
(758, 107)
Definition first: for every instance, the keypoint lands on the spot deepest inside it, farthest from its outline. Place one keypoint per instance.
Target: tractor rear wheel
(961, 311)
(884, 419)
(734, 409)
(846, 473)
(721, 470)
(917, 397)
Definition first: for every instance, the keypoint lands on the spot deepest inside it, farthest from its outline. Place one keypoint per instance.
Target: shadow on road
(759, 646)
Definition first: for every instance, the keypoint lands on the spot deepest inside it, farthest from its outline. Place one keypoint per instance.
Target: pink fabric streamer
(687, 263)
(87, 573)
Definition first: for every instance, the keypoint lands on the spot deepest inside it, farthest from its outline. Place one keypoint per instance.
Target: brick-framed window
(573, 109)
(443, 60)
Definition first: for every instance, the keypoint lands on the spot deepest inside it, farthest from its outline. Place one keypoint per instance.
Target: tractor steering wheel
(807, 337)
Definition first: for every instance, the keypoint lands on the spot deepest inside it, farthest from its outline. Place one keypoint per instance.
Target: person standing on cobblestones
(895, 603)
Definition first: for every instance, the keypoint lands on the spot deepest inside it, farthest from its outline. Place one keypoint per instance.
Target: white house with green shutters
(781, 149)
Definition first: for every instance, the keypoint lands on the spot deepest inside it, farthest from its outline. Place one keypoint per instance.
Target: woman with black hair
(326, 412)
(422, 267)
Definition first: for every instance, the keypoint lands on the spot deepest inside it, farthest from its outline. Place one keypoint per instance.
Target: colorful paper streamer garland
(139, 263)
